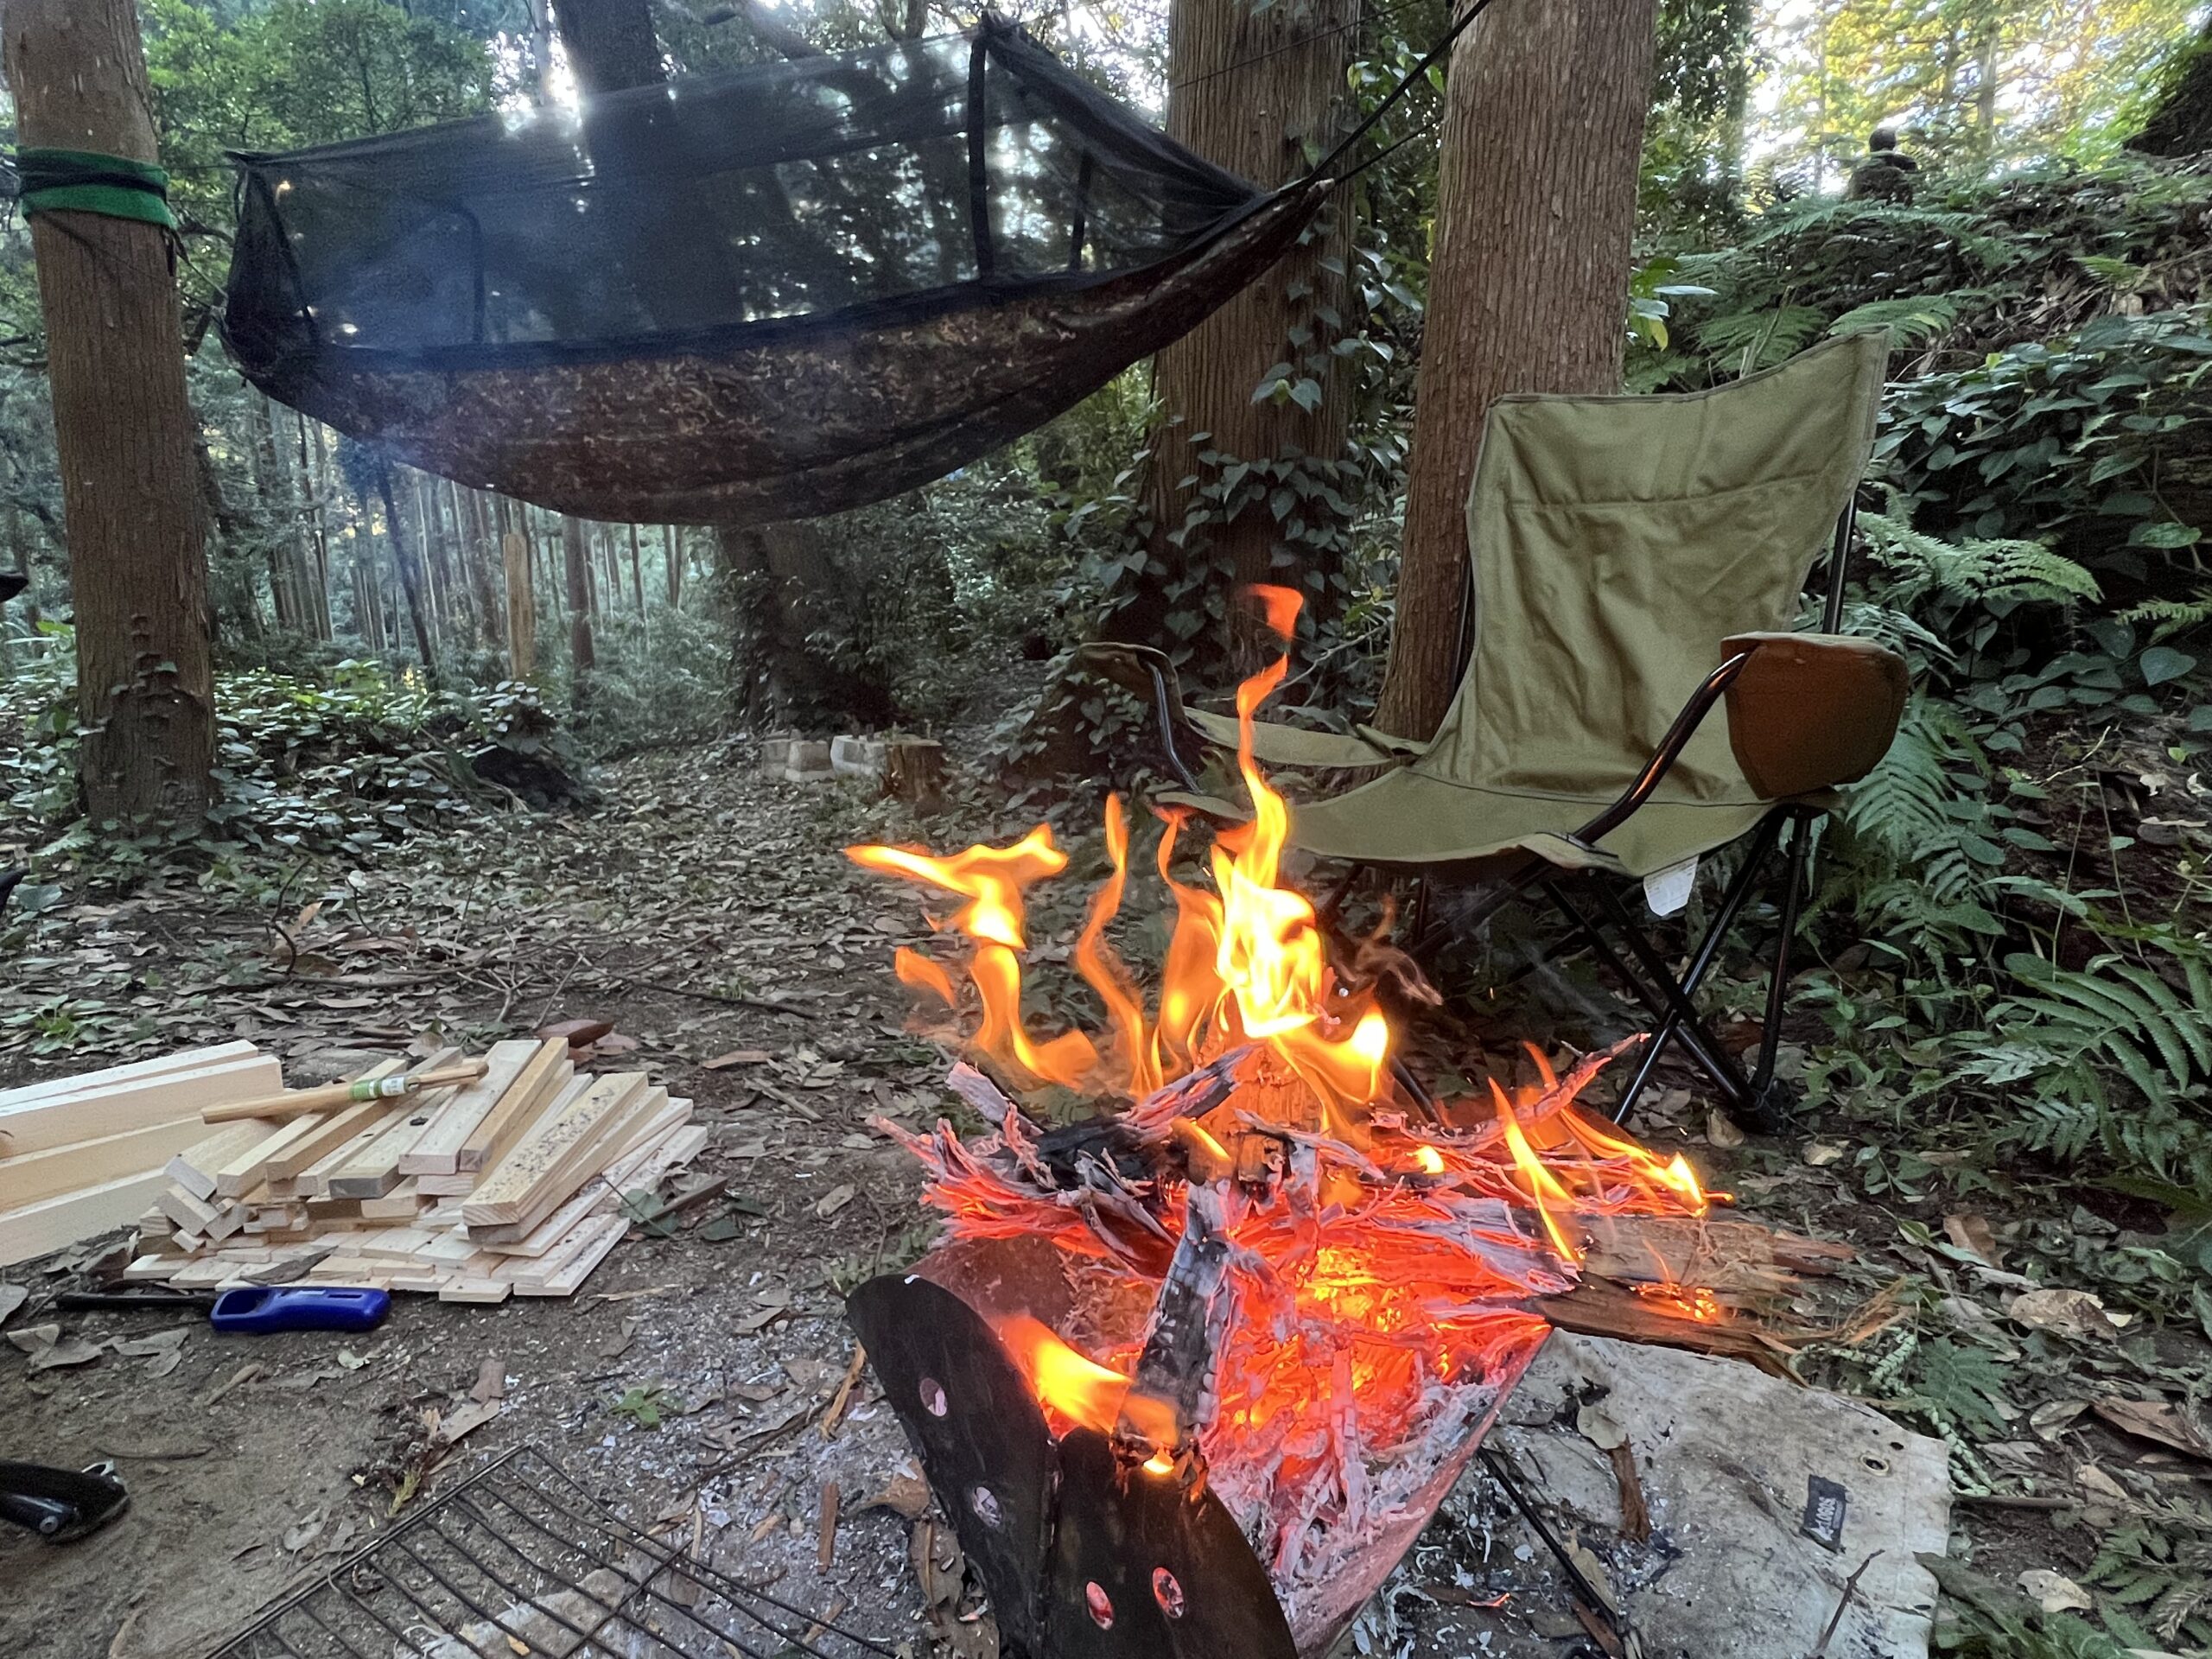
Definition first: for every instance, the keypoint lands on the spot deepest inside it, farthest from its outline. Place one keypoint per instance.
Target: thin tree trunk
(123, 426)
(410, 575)
(582, 657)
(286, 603)
(480, 548)
(1253, 87)
(316, 480)
(1543, 128)
(672, 544)
(637, 571)
(522, 608)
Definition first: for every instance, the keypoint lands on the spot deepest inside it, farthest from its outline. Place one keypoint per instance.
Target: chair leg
(1655, 987)
(1802, 820)
(1732, 904)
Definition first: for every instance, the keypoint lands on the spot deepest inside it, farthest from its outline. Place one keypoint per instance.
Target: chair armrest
(1809, 711)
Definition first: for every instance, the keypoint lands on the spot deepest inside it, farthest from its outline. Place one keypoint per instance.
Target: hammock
(765, 295)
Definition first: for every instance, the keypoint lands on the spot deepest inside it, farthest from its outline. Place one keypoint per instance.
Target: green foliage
(1970, 266)
(302, 767)
(2096, 438)
(1973, 84)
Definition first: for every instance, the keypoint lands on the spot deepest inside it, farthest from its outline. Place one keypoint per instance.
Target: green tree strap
(85, 181)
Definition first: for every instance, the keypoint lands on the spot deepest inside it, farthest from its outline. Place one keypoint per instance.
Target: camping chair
(1634, 563)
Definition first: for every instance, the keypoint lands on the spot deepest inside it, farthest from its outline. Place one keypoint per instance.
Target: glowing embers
(1292, 1291)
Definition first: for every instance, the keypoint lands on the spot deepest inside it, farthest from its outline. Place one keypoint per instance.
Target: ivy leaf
(2163, 663)
(2166, 533)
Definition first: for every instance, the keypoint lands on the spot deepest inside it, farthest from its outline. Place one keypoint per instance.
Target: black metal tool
(60, 1505)
(78, 1302)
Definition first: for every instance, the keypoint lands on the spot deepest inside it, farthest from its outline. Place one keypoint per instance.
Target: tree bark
(611, 44)
(1544, 129)
(1253, 89)
(315, 480)
(522, 607)
(582, 657)
(123, 426)
(411, 575)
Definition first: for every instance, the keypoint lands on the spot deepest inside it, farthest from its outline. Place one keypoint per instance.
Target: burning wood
(1271, 1285)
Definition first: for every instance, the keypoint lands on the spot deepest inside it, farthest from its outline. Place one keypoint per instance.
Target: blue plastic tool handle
(262, 1308)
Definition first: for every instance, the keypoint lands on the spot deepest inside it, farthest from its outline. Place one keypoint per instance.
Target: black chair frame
(1590, 901)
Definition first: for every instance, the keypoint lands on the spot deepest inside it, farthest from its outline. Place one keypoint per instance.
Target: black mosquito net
(770, 293)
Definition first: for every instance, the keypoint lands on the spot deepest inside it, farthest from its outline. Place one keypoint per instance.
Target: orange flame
(1077, 1391)
(1246, 962)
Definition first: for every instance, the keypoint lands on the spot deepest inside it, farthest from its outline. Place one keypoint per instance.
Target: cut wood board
(54, 1224)
(548, 1162)
(80, 1164)
(194, 1169)
(294, 1146)
(435, 1151)
(547, 1072)
(39, 1125)
(574, 1264)
(598, 1193)
(374, 1170)
(116, 1076)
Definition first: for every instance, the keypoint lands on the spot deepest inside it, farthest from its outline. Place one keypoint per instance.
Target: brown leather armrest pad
(1812, 710)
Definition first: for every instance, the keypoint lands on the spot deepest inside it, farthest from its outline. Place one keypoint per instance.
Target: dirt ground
(711, 917)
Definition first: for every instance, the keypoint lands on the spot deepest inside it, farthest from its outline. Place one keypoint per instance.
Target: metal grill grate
(520, 1560)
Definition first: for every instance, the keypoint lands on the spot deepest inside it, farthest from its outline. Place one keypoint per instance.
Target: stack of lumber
(511, 1184)
(82, 1156)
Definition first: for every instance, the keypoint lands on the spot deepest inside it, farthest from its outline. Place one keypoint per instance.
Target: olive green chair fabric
(1617, 544)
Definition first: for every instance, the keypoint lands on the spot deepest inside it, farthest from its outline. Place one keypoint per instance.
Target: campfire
(1275, 1283)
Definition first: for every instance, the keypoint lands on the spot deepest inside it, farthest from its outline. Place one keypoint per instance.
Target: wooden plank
(322, 1137)
(118, 1076)
(194, 1169)
(542, 1169)
(280, 1157)
(48, 1174)
(445, 1186)
(460, 1289)
(54, 1224)
(577, 1268)
(374, 1170)
(605, 1193)
(526, 1100)
(38, 1126)
(439, 1144)
(403, 1203)
(187, 1212)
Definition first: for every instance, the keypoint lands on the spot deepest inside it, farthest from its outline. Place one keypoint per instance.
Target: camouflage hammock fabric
(771, 294)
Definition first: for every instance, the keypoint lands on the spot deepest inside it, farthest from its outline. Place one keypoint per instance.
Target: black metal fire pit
(1085, 1553)
(1088, 1549)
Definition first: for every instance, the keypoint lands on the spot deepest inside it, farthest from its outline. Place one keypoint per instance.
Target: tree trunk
(287, 593)
(123, 426)
(581, 658)
(1543, 128)
(411, 575)
(522, 607)
(637, 570)
(779, 589)
(314, 479)
(1254, 89)
(611, 44)
(481, 548)
(672, 544)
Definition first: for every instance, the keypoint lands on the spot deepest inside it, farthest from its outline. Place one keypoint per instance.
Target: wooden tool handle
(330, 1096)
